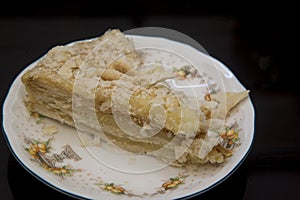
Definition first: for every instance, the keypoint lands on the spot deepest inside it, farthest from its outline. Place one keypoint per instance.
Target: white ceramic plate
(74, 171)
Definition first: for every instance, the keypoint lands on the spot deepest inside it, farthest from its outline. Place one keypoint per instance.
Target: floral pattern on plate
(40, 153)
(173, 183)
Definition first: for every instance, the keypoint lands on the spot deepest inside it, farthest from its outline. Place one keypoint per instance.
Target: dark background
(257, 40)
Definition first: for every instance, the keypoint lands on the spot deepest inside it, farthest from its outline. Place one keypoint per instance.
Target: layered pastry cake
(102, 88)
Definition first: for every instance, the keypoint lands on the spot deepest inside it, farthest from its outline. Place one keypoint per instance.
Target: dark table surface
(258, 50)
